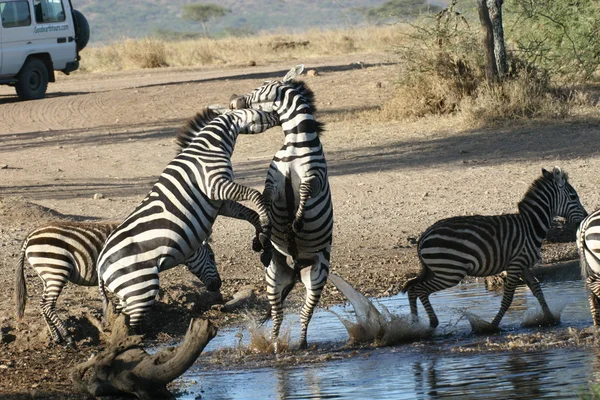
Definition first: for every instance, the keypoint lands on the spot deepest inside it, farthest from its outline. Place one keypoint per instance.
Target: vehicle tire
(82, 30)
(32, 80)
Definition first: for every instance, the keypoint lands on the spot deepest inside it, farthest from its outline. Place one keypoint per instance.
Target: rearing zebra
(588, 244)
(479, 245)
(299, 198)
(178, 213)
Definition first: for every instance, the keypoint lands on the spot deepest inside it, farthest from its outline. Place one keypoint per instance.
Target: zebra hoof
(303, 345)
(265, 257)
(257, 245)
(71, 343)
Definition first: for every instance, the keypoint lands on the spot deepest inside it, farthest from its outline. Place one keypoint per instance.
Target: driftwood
(125, 368)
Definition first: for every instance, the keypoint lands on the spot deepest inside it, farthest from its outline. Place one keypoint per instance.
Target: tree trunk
(495, 11)
(491, 71)
(125, 368)
(205, 26)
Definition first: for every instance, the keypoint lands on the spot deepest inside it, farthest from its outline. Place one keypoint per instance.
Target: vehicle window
(48, 11)
(15, 13)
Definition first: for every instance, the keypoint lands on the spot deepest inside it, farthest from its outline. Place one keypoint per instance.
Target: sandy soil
(112, 134)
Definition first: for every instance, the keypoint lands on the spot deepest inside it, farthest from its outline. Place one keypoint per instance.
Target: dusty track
(113, 134)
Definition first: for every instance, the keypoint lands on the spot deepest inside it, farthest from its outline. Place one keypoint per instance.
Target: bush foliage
(443, 69)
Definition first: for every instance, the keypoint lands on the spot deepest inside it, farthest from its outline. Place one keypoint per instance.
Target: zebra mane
(309, 96)
(193, 127)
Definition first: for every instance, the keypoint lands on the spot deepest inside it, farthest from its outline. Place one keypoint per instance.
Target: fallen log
(124, 367)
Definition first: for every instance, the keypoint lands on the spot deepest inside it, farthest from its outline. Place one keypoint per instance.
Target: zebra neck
(301, 129)
(537, 216)
(223, 143)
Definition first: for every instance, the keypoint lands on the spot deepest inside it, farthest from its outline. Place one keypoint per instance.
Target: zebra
(480, 245)
(588, 245)
(299, 198)
(178, 213)
(64, 252)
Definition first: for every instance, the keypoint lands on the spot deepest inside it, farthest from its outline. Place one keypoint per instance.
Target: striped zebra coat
(299, 198)
(178, 213)
(479, 245)
(64, 252)
(588, 244)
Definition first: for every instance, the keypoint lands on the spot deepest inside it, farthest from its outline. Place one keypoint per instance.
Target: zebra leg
(138, 302)
(233, 209)
(535, 288)
(412, 301)
(594, 308)
(444, 277)
(280, 281)
(512, 279)
(594, 298)
(314, 279)
(53, 286)
(224, 189)
(308, 188)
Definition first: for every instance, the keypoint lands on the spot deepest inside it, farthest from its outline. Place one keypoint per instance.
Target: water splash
(380, 328)
(260, 338)
(535, 317)
(479, 325)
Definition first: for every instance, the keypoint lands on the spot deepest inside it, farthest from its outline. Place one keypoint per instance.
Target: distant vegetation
(113, 20)
(239, 51)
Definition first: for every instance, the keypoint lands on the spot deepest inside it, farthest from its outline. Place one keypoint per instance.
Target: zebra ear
(559, 176)
(546, 174)
(293, 73)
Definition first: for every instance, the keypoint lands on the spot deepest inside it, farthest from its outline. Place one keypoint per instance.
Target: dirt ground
(112, 134)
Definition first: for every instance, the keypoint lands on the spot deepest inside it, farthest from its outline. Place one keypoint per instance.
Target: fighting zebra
(297, 192)
(178, 213)
(479, 245)
(67, 252)
(588, 244)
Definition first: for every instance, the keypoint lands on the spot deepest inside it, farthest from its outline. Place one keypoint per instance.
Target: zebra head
(202, 264)
(254, 121)
(566, 202)
(269, 96)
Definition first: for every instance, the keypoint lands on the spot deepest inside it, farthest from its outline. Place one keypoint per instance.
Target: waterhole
(428, 368)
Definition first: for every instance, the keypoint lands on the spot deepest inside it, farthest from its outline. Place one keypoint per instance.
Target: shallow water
(422, 370)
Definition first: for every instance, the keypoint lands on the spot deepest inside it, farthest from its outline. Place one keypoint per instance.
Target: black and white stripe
(588, 244)
(67, 252)
(178, 213)
(479, 245)
(297, 191)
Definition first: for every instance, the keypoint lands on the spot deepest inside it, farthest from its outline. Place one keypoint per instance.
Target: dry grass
(236, 51)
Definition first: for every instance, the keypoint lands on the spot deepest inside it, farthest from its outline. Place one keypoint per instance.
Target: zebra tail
(20, 286)
(291, 208)
(425, 272)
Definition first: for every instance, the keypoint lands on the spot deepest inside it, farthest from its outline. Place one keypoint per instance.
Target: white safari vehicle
(38, 37)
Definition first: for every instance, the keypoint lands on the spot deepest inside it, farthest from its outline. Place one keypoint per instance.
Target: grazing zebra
(178, 213)
(479, 245)
(67, 251)
(297, 192)
(588, 244)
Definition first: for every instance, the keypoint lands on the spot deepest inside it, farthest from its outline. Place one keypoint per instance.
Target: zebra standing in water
(178, 213)
(479, 245)
(67, 251)
(588, 244)
(297, 191)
